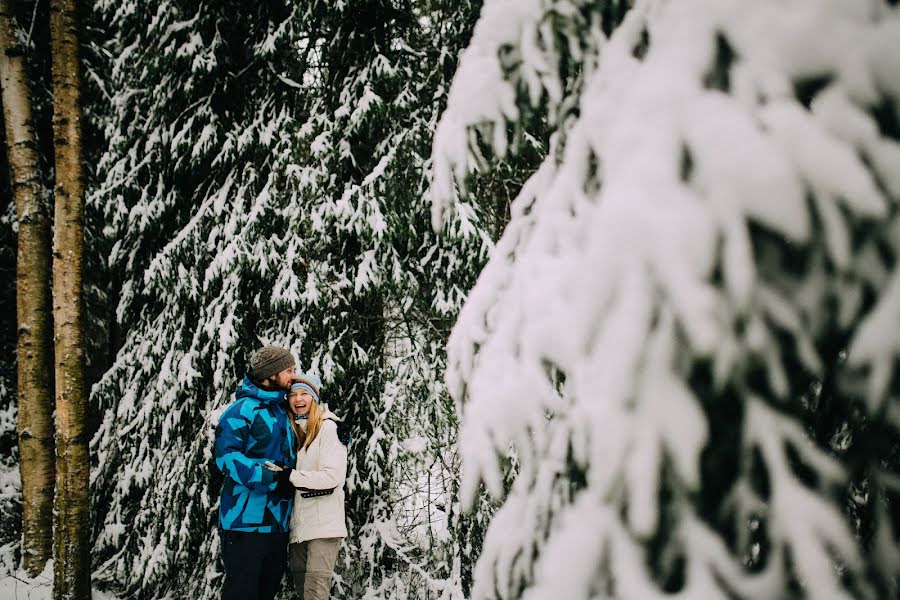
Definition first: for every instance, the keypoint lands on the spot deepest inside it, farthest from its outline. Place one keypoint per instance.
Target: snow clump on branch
(717, 207)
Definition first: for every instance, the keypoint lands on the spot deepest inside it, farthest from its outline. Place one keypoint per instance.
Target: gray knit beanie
(268, 361)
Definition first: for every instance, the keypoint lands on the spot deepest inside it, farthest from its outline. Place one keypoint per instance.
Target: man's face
(282, 380)
(300, 402)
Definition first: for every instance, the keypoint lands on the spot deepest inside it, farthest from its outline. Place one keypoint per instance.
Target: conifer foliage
(688, 330)
(200, 134)
(265, 183)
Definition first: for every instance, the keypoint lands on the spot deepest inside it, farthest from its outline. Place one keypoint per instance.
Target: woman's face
(300, 402)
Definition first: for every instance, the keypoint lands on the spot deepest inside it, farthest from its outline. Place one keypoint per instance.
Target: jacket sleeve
(332, 463)
(232, 434)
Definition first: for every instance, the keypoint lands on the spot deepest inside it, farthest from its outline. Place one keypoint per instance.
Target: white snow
(608, 279)
(19, 586)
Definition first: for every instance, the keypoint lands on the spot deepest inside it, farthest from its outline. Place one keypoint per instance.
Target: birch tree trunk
(35, 374)
(71, 550)
(33, 311)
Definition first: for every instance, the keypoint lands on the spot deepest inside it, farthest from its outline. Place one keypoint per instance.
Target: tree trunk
(71, 550)
(33, 312)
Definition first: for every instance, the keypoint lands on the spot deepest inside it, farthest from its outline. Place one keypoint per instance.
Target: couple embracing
(284, 466)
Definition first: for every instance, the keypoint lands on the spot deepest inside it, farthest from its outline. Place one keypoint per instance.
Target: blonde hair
(313, 426)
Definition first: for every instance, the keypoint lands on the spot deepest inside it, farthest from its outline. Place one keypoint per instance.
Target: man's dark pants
(254, 564)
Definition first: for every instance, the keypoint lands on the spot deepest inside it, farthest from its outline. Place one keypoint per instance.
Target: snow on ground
(20, 586)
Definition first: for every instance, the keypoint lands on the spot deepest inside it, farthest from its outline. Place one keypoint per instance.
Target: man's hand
(284, 488)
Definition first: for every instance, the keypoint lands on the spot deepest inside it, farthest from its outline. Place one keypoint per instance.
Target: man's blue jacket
(252, 430)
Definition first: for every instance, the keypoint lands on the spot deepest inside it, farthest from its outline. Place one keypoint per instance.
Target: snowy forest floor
(20, 586)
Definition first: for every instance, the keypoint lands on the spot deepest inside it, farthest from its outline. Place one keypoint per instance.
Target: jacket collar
(327, 414)
(248, 388)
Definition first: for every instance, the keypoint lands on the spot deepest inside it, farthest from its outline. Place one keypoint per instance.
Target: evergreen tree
(382, 67)
(686, 332)
(200, 126)
(33, 308)
(383, 70)
(264, 182)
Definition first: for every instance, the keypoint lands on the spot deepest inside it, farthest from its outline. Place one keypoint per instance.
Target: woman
(317, 522)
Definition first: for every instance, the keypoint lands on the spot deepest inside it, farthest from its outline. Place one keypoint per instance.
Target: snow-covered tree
(685, 341)
(371, 130)
(265, 181)
(200, 128)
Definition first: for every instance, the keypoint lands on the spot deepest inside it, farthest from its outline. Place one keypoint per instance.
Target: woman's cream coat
(322, 466)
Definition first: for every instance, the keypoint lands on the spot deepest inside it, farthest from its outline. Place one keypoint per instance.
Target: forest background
(257, 174)
(600, 279)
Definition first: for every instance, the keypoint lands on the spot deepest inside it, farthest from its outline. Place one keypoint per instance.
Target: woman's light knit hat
(308, 382)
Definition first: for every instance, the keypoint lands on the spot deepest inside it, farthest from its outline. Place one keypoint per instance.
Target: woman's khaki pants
(312, 564)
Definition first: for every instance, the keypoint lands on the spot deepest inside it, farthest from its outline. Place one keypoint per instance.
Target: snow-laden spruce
(686, 337)
(265, 183)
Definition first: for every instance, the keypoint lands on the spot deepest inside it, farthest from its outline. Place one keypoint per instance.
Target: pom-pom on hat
(310, 383)
(268, 361)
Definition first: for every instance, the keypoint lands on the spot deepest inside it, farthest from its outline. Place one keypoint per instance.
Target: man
(254, 519)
